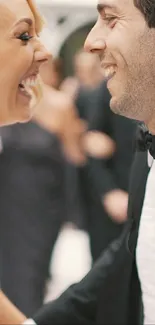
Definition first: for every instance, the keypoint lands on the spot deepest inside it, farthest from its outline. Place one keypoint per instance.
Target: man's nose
(95, 42)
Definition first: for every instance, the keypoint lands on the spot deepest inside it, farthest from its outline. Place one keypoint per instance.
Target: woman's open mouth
(27, 85)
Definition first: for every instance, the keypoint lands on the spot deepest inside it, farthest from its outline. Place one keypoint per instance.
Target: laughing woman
(21, 54)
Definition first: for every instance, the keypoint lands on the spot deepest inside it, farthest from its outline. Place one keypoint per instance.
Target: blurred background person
(99, 177)
(87, 69)
(103, 183)
(87, 73)
(86, 76)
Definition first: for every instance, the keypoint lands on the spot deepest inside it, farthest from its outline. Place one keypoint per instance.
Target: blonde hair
(39, 20)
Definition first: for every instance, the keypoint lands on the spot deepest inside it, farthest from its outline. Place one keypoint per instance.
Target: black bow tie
(145, 140)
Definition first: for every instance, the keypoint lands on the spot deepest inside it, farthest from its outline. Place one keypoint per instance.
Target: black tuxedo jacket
(110, 294)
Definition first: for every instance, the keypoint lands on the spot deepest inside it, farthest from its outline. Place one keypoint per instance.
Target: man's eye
(111, 21)
(25, 37)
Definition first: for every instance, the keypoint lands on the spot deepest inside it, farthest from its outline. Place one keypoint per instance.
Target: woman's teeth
(32, 88)
(28, 83)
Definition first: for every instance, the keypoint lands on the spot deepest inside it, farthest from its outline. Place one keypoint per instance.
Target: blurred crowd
(47, 183)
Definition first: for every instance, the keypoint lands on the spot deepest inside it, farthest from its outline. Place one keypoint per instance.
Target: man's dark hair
(147, 7)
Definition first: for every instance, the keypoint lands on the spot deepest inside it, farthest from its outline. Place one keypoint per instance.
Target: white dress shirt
(145, 252)
(29, 322)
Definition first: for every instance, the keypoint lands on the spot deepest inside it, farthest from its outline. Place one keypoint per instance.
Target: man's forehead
(113, 3)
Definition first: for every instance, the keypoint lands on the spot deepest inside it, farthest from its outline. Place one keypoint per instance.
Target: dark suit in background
(101, 176)
(32, 211)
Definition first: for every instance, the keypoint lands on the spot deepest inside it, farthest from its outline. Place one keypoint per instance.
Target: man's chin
(116, 106)
(120, 108)
(113, 105)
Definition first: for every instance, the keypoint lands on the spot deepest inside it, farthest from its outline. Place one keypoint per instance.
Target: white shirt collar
(149, 160)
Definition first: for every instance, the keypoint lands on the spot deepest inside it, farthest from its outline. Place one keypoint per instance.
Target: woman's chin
(22, 113)
(26, 112)
(27, 101)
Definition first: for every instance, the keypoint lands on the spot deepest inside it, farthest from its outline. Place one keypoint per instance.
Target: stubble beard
(136, 95)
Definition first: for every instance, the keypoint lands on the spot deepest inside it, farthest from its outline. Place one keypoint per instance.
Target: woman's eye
(25, 37)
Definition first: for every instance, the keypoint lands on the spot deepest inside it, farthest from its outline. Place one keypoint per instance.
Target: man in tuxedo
(124, 39)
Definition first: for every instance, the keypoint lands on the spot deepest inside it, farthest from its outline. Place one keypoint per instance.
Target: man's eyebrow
(102, 6)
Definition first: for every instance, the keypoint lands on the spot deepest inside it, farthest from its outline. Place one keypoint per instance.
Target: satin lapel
(138, 180)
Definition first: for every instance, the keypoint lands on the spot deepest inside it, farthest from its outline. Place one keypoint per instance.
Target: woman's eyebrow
(28, 21)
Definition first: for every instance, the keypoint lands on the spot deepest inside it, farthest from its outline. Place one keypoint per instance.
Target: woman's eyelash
(25, 37)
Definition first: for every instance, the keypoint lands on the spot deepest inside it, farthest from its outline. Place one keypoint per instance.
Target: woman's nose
(42, 54)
